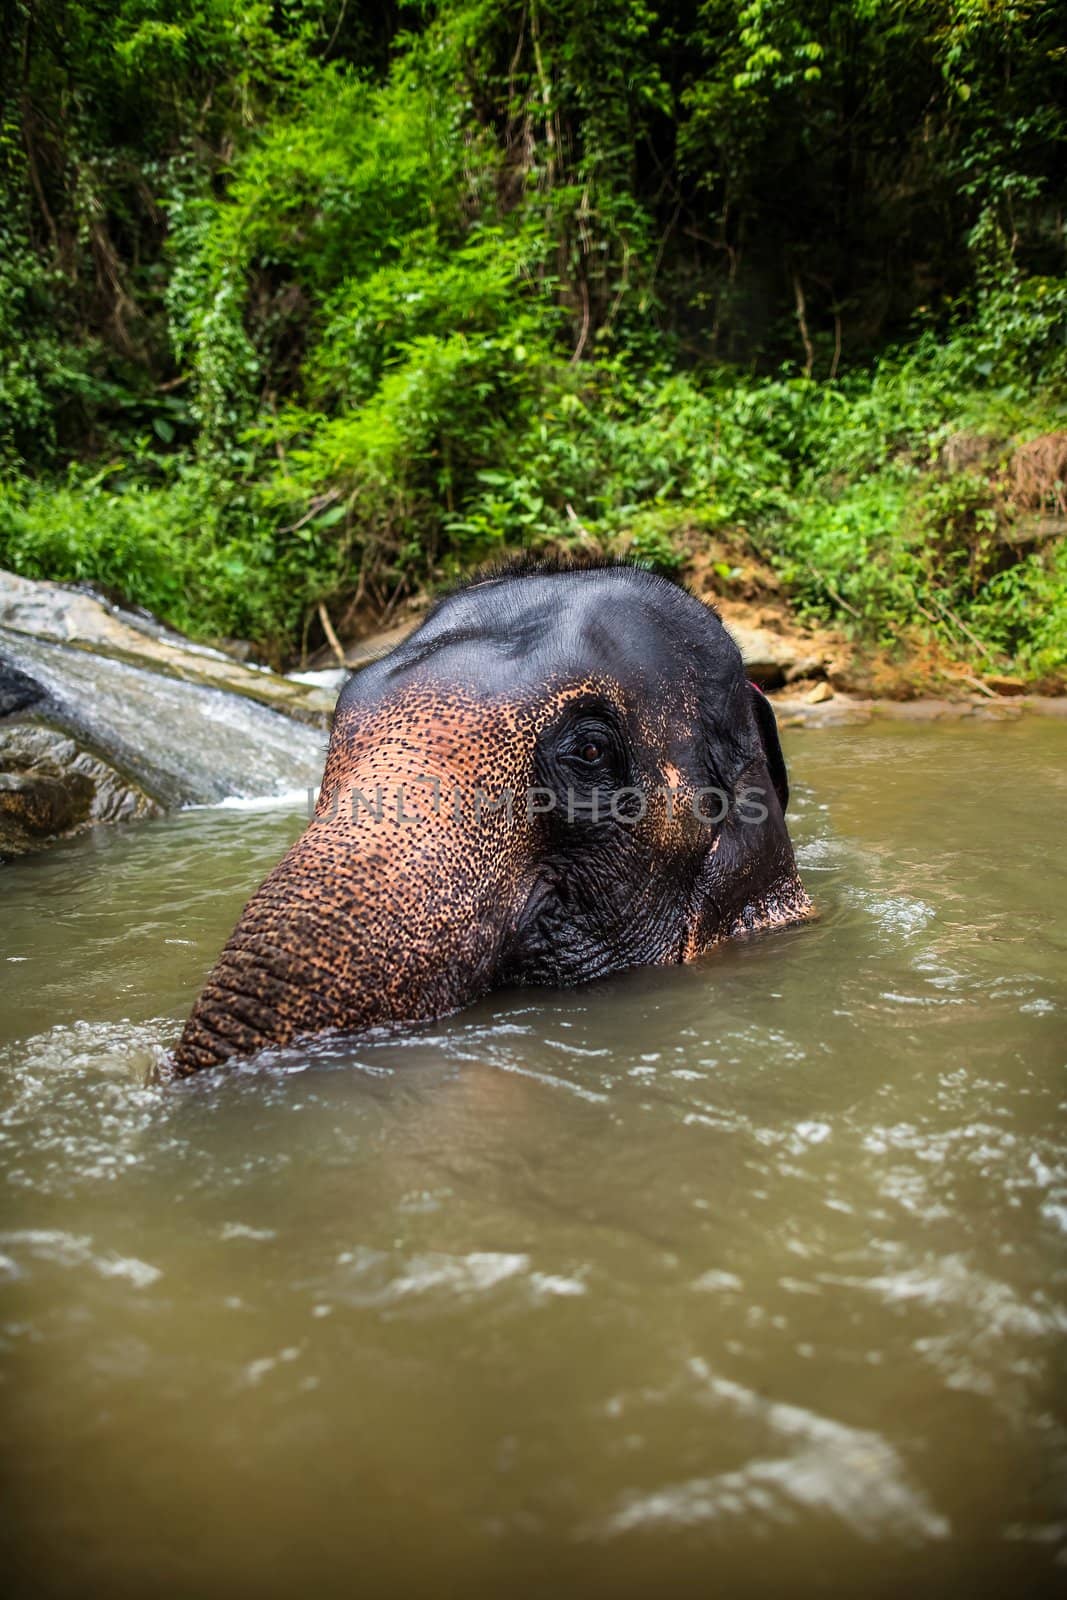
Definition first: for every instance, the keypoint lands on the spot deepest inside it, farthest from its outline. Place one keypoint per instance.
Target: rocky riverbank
(814, 675)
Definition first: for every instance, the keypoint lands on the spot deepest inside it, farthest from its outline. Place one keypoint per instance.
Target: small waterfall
(106, 716)
(182, 743)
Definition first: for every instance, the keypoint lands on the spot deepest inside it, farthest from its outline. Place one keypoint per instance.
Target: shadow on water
(749, 1276)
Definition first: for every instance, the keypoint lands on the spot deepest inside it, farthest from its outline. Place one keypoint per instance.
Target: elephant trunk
(392, 907)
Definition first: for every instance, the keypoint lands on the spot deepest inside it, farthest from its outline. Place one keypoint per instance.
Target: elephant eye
(592, 747)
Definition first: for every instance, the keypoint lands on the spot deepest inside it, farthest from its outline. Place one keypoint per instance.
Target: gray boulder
(106, 716)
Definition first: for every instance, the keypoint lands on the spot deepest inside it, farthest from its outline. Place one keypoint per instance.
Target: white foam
(287, 800)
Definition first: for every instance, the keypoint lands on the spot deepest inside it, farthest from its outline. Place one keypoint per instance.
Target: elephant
(562, 773)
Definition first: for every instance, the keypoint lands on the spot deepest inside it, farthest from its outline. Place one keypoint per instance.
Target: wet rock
(35, 805)
(182, 743)
(105, 716)
(18, 691)
(49, 612)
(51, 786)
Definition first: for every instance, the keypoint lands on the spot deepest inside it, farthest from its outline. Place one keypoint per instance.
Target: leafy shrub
(308, 302)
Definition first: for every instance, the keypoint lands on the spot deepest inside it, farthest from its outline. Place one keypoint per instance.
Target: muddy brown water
(744, 1278)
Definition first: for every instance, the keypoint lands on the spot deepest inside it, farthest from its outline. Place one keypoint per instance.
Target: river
(748, 1277)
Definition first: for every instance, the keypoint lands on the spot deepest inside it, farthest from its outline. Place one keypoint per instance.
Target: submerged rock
(105, 717)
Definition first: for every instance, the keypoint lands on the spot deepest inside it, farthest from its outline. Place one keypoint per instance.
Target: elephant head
(560, 774)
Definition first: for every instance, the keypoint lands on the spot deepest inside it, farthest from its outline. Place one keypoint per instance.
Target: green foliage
(41, 374)
(1021, 612)
(308, 300)
(194, 550)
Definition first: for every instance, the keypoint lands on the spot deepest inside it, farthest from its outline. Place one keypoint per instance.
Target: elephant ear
(767, 727)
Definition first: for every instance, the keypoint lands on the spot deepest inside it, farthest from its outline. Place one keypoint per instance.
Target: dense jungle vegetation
(320, 302)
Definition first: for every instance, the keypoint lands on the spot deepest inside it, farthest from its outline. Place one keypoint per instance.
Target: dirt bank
(798, 662)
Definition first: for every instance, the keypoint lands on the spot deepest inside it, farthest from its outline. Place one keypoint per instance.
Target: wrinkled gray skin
(645, 821)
